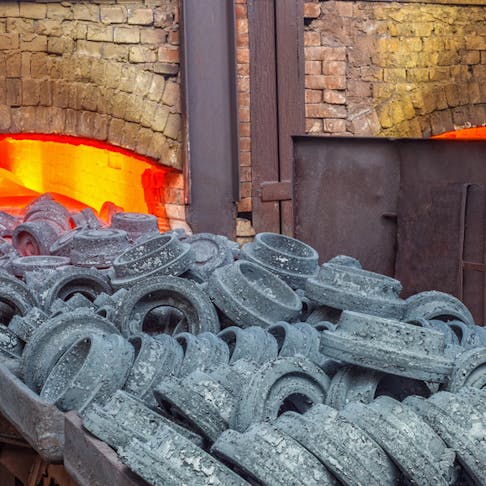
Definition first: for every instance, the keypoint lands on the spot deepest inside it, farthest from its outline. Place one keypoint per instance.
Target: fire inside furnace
(80, 173)
(473, 133)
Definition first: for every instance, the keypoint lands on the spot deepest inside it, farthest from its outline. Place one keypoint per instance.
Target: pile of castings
(201, 363)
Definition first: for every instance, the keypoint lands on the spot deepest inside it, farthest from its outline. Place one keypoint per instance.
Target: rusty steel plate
(92, 462)
(441, 219)
(345, 198)
(414, 209)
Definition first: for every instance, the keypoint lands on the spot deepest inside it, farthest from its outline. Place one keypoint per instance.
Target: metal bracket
(276, 191)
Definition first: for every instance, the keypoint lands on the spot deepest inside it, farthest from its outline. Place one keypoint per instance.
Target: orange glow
(79, 173)
(475, 133)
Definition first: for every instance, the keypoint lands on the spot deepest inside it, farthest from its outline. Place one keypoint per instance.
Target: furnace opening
(473, 133)
(83, 173)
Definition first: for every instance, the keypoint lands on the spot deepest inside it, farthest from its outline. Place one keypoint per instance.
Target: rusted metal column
(210, 98)
(276, 31)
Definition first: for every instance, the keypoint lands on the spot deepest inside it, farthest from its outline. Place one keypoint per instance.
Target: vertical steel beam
(289, 21)
(263, 111)
(210, 106)
(276, 29)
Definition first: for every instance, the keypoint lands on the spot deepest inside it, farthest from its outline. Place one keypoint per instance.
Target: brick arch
(144, 119)
(425, 111)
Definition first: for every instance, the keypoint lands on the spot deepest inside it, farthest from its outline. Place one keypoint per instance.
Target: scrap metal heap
(201, 363)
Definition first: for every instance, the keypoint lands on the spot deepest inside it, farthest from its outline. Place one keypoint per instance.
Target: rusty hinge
(276, 191)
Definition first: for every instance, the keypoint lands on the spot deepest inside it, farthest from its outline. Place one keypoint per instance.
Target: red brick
(333, 53)
(314, 53)
(313, 125)
(241, 11)
(322, 110)
(334, 68)
(245, 189)
(243, 56)
(313, 96)
(174, 195)
(314, 81)
(173, 37)
(243, 84)
(312, 39)
(334, 126)
(244, 114)
(168, 54)
(242, 26)
(335, 97)
(175, 180)
(245, 144)
(245, 173)
(245, 159)
(334, 82)
(244, 206)
(244, 129)
(243, 69)
(313, 67)
(312, 10)
(242, 39)
(244, 99)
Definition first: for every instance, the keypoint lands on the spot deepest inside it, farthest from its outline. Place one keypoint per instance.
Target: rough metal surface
(347, 287)
(155, 358)
(34, 238)
(11, 345)
(124, 417)
(354, 384)
(290, 259)
(413, 446)
(45, 208)
(16, 294)
(271, 457)
(90, 371)
(169, 459)
(388, 345)
(197, 313)
(210, 252)
(285, 384)
(467, 336)
(436, 305)
(441, 326)
(24, 326)
(461, 423)
(53, 339)
(239, 395)
(135, 224)
(62, 246)
(204, 352)
(344, 448)
(86, 218)
(469, 370)
(91, 462)
(249, 295)
(64, 283)
(252, 343)
(349, 183)
(161, 255)
(21, 265)
(297, 339)
(98, 247)
(40, 423)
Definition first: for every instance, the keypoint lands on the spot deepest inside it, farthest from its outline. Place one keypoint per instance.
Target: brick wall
(103, 70)
(243, 67)
(394, 69)
(106, 70)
